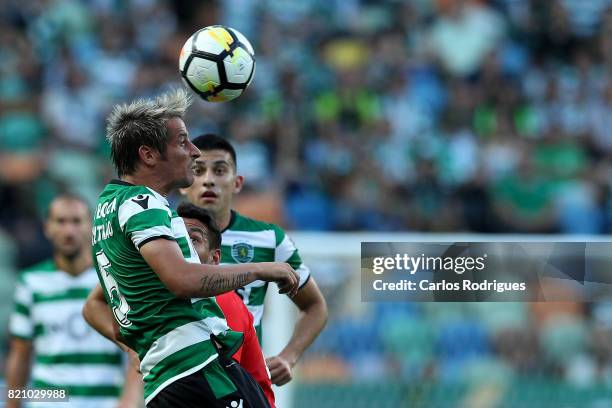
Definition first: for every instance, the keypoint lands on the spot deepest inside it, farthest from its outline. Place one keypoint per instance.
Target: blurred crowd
(467, 354)
(445, 115)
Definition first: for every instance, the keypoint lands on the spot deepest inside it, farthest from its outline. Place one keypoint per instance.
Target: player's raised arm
(190, 280)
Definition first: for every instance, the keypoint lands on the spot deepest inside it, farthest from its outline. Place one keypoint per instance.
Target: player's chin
(206, 203)
(69, 251)
(187, 181)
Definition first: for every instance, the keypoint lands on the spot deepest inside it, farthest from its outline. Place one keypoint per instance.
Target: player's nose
(70, 233)
(208, 180)
(194, 152)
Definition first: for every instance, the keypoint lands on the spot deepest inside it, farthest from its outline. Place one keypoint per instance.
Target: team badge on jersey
(243, 252)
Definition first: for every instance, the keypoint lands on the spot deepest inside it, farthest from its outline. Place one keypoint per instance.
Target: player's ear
(183, 191)
(46, 224)
(238, 184)
(148, 155)
(216, 257)
(46, 228)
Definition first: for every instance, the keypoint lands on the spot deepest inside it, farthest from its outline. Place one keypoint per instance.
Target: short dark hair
(143, 122)
(210, 141)
(188, 210)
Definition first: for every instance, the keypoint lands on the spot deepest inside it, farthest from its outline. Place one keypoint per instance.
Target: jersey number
(119, 305)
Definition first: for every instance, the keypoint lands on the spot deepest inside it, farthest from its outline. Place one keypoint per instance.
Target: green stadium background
(415, 116)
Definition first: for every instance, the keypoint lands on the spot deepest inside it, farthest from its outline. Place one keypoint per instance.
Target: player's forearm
(212, 280)
(132, 395)
(95, 314)
(311, 321)
(99, 316)
(191, 280)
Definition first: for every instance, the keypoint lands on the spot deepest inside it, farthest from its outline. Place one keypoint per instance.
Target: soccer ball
(217, 63)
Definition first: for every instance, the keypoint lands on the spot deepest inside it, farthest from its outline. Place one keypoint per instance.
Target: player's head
(216, 179)
(202, 230)
(68, 225)
(149, 135)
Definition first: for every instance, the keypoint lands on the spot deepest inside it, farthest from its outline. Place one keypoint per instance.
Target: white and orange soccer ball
(217, 63)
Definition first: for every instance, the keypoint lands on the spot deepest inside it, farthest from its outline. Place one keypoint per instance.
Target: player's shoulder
(234, 309)
(265, 233)
(134, 199)
(241, 222)
(48, 265)
(230, 301)
(124, 191)
(135, 193)
(44, 267)
(114, 194)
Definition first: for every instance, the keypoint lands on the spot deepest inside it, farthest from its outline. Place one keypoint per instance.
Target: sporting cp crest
(243, 252)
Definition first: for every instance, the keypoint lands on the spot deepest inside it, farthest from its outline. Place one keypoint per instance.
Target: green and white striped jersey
(68, 353)
(249, 240)
(172, 338)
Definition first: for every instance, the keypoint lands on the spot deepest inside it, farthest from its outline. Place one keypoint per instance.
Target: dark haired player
(248, 240)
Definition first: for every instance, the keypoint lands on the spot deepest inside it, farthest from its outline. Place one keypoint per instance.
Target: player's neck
(73, 266)
(151, 181)
(223, 218)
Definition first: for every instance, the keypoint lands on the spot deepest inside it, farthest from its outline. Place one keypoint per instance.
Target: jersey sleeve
(143, 218)
(287, 252)
(21, 324)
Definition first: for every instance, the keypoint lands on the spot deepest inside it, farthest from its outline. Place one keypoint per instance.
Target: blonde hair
(143, 122)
